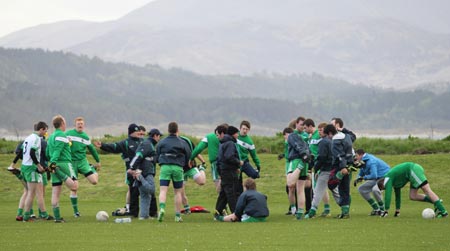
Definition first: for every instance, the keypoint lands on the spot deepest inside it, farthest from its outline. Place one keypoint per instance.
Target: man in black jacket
(341, 150)
(173, 153)
(127, 148)
(229, 163)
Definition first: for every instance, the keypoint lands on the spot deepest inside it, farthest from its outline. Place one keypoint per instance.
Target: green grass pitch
(201, 232)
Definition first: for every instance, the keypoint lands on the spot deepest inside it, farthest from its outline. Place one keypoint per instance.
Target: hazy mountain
(37, 84)
(371, 42)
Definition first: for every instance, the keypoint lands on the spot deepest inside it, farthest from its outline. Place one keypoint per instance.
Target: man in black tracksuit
(341, 150)
(154, 136)
(128, 149)
(228, 165)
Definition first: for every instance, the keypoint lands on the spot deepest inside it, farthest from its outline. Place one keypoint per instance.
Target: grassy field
(200, 232)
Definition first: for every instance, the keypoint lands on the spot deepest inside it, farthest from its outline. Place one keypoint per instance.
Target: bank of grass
(200, 232)
(275, 144)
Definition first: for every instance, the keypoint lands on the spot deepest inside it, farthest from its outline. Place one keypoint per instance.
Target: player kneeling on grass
(398, 177)
(251, 206)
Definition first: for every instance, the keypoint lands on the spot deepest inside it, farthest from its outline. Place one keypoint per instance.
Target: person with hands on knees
(371, 169)
(398, 177)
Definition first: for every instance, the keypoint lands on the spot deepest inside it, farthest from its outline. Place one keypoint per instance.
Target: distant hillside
(37, 84)
(375, 43)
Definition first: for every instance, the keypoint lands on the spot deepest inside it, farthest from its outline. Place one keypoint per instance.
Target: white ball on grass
(428, 213)
(102, 216)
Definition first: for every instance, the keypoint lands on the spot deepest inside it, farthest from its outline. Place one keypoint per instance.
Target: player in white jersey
(32, 170)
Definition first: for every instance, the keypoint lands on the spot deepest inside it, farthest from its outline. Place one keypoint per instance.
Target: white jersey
(31, 142)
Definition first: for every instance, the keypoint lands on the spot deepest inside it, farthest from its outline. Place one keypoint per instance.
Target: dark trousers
(230, 190)
(153, 207)
(249, 170)
(344, 191)
(134, 199)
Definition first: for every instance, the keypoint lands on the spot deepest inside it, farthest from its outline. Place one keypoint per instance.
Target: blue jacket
(172, 150)
(374, 167)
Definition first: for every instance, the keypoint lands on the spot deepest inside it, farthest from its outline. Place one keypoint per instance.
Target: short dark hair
(309, 122)
(300, 118)
(360, 151)
(40, 125)
(330, 128)
(246, 123)
(142, 128)
(221, 128)
(250, 184)
(287, 130)
(338, 121)
(172, 128)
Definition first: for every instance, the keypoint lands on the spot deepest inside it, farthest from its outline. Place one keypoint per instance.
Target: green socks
(56, 213)
(381, 205)
(438, 205)
(74, 201)
(373, 204)
(326, 208)
(299, 214)
(345, 209)
(20, 212)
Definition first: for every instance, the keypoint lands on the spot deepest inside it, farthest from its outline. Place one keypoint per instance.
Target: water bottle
(123, 220)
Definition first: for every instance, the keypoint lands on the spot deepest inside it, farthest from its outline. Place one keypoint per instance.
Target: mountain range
(36, 85)
(374, 43)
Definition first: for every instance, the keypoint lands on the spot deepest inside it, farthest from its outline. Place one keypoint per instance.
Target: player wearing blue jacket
(372, 170)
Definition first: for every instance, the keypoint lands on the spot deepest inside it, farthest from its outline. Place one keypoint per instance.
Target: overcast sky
(19, 14)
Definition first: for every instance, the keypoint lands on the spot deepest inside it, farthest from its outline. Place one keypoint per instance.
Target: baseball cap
(154, 131)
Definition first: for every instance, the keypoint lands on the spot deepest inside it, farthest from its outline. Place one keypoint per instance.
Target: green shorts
(30, 174)
(191, 173)
(246, 218)
(298, 163)
(417, 176)
(83, 167)
(67, 169)
(214, 172)
(286, 167)
(171, 172)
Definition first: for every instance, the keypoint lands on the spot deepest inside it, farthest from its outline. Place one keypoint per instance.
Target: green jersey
(211, 142)
(80, 140)
(58, 148)
(247, 146)
(313, 143)
(398, 177)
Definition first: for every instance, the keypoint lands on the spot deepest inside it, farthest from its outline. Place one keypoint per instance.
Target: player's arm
(199, 148)
(19, 155)
(59, 145)
(398, 199)
(137, 160)
(35, 160)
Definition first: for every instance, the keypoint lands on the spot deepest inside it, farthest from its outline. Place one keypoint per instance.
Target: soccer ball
(102, 216)
(428, 213)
